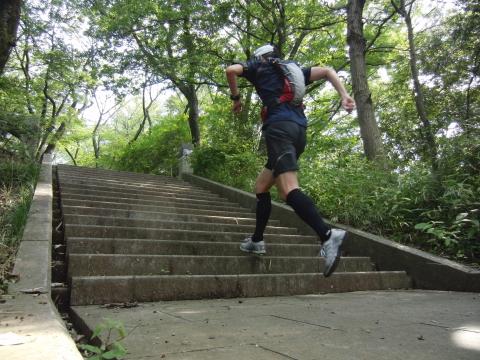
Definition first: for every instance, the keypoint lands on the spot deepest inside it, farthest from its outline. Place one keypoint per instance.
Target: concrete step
(166, 224)
(122, 232)
(184, 210)
(134, 237)
(128, 186)
(107, 289)
(126, 199)
(177, 247)
(150, 215)
(121, 181)
(106, 173)
(119, 265)
(138, 193)
(131, 184)
(93, 182)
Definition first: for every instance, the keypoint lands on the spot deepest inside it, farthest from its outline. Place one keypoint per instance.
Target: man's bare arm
(232, 72)
(318, 73)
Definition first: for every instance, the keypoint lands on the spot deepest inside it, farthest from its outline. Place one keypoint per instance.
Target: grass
(17, 181)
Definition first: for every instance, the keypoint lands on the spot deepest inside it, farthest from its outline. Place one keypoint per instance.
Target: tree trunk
(146, 116)
(9, 19)
(193, 114)
(56, 137)
(189, 89)
(427, 132)
(190, 93)
(72, 156)
(96, 140)
(369, 131)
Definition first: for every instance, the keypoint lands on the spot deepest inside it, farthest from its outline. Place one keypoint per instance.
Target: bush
(410, 207)
(156, 152)
(15, 173)
(229, 165)
(17, 183)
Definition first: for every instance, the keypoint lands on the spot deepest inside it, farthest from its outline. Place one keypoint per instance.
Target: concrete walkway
(363, 325)
(30, 326)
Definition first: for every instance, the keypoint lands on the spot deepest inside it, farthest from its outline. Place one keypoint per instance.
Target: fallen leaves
(34, 291)
(123, 305)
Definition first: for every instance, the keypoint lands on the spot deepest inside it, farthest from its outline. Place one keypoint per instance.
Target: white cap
(262, 50)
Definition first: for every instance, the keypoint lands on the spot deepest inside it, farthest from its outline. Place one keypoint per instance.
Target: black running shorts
(285, 142)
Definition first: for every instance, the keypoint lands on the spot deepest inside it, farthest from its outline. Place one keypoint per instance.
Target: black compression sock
(305, 209)
(264, 207)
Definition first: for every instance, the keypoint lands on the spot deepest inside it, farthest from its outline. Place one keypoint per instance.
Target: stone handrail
(426, 270)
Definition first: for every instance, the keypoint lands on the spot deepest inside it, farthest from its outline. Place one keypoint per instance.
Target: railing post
(184, 165)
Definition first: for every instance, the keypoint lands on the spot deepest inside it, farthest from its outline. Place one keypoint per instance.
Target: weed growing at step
(110, 333)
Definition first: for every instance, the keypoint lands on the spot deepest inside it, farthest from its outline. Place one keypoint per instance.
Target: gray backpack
(294, 81)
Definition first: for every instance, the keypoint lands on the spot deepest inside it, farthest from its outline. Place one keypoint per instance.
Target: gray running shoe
(331, 250)
(253, 247)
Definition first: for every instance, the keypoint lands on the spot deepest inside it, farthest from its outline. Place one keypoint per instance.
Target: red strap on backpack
(287, 93)
(264, 113)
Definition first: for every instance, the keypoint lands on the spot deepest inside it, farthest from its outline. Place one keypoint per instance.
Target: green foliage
(156, 152)
(453, 223)
(44, 81)
(454, 220)
(17, 173)
(227, 164)
(18, 134)
(396, 204)
(347, 192)
(16, 185)
(17, 180)
(229, 151)
(76, 145)
(110, 333)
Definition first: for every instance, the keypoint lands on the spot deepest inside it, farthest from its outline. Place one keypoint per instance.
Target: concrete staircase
(135, 237)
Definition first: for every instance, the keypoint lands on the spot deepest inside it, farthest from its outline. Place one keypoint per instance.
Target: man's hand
(237, 106)
(318, 73)
(348, 103)
(232, 72)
